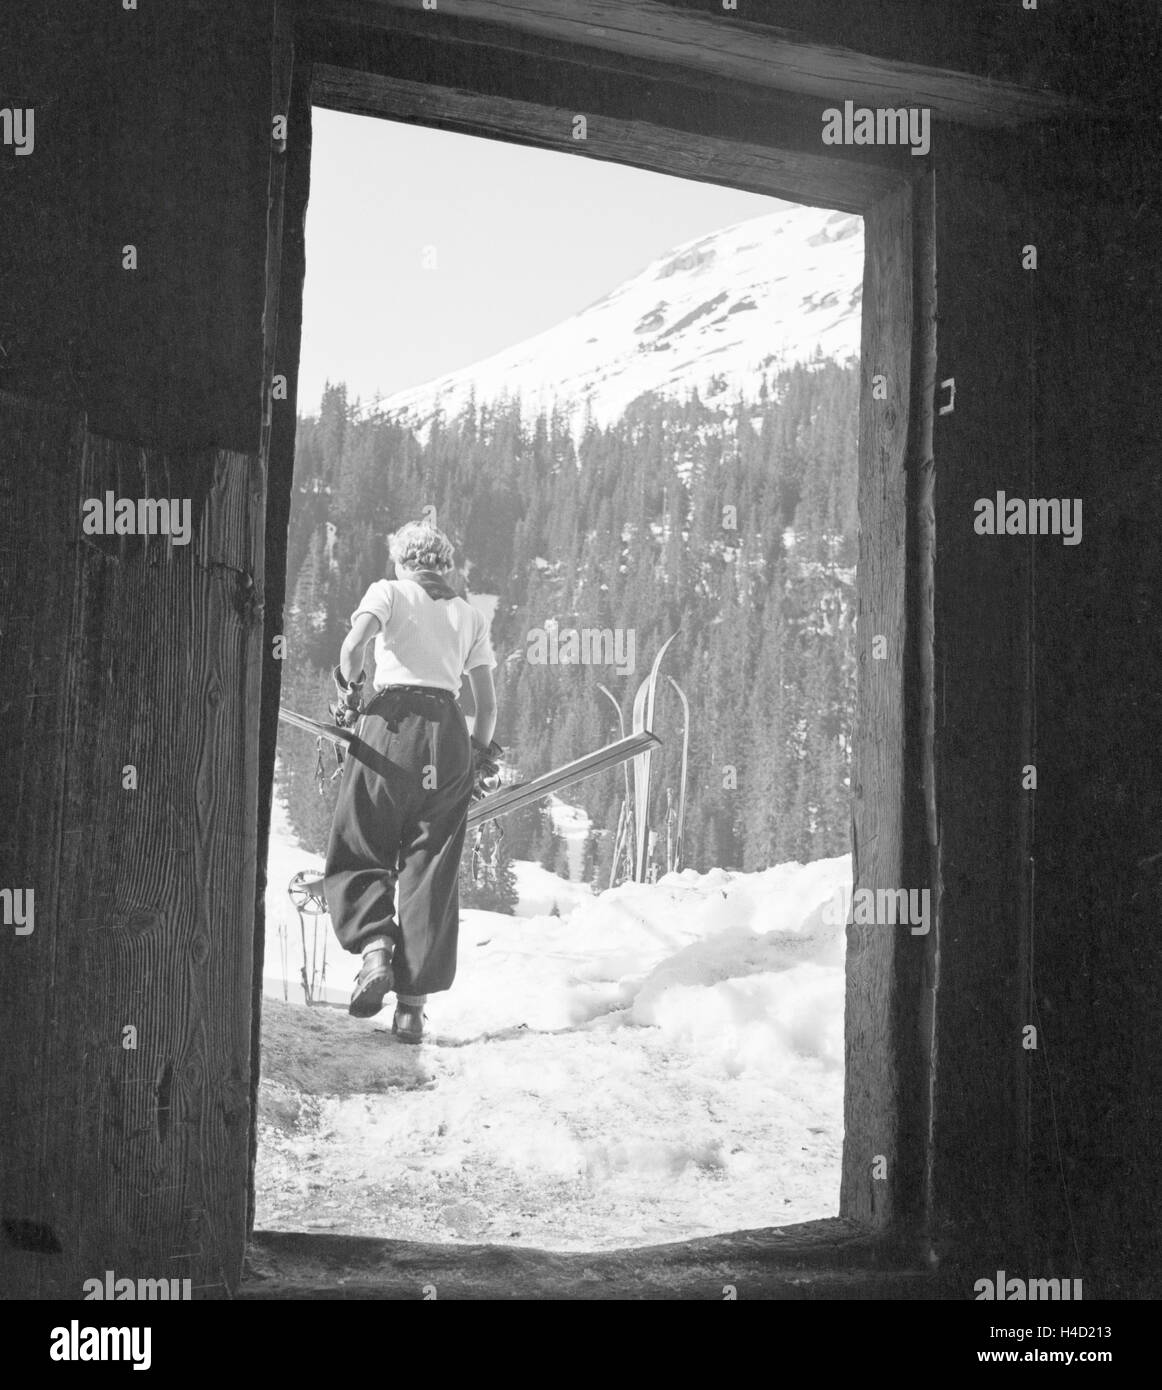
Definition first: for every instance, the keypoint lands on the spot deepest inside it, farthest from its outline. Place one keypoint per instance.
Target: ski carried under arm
(524, 793)
(314, 726)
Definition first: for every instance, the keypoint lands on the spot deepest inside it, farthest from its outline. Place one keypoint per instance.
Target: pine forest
(734, 524)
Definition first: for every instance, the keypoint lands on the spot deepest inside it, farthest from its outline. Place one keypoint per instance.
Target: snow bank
(660, 1061)
(539, 891)
(739, 967)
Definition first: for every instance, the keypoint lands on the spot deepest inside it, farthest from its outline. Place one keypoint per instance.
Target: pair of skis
(639, 744)
(643, 719)
(637, 747)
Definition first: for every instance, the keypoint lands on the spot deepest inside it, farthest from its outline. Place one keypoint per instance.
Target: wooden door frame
(889, 995)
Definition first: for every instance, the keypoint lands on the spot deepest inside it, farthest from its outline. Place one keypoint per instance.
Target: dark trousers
(399, 826)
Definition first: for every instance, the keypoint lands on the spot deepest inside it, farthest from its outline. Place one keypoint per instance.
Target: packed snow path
(660, 1062)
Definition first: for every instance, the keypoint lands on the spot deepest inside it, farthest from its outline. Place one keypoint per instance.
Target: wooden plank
(880, 959)
(568, 79)
(732, 162)
(35, 442)
(286, 269)
(133, 1157)
(1051, 898)
(821, 1259)
(1093, 311)
(981, 614)
(922, 822)
(132, 650)
(175, 167)
(743, 46)
(42, 308)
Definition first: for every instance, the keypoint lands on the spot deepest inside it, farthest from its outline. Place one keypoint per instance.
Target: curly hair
(420, 546)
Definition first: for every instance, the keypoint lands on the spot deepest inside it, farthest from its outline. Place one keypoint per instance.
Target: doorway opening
(618, 1063)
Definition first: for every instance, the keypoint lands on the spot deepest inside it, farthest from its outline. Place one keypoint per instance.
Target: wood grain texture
(291, 94)
(687, 103)
(876, 1084)
(822, 1259)
(981, 636)
(35, 442)
(147, 656)
(153, 132)
(1094, 325)
(734, 162)
(922, 822)
(1051, 899)
(752, 45)
(130, 650)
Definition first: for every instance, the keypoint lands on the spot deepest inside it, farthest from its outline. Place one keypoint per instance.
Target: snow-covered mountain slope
(717, 314)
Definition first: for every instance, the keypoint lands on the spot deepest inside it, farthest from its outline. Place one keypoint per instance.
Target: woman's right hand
(485, 767)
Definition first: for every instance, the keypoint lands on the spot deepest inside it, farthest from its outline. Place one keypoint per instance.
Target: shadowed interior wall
(1048, 657)
(153, 130)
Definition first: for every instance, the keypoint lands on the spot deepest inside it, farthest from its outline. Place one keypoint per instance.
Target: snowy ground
(540, 891)
(659, 1062)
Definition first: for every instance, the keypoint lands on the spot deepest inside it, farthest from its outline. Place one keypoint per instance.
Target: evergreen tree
(550, 848)
(735, 521)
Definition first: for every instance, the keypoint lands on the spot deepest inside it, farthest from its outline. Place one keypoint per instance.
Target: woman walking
(393, 862)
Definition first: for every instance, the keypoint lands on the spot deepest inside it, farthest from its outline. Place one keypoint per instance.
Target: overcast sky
(523, 238)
